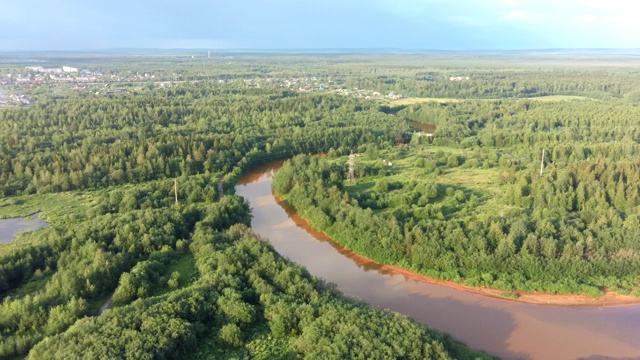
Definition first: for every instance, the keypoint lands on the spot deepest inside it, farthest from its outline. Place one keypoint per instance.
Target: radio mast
(351, 177)
(175, 188)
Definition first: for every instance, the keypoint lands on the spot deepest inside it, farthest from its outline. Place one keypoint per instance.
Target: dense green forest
(247, 302)
(88, 143)
(189, 279)
(185, 287)
(469, 204)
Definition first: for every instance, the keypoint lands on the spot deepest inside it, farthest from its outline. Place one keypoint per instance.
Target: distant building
(69, 69)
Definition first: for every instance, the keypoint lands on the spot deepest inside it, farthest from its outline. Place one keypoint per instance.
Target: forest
(469, 203)
(189, 279)
(186, 276)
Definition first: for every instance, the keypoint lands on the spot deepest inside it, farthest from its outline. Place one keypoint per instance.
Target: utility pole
(400, 136)
(352, 165)
(175, 188)
(542, 163)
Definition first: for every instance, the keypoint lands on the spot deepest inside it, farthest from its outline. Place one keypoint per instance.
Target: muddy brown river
(504, 328)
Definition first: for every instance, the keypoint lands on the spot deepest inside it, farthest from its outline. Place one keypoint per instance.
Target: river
(9, 228)
(423, 126)
(508, 329)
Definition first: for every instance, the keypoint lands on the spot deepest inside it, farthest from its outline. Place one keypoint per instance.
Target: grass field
(550, 98)
(186, 266)
(411, 101)
(56, 208)
(481, 182)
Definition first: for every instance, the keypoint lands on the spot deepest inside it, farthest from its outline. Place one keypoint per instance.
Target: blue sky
(314, 24)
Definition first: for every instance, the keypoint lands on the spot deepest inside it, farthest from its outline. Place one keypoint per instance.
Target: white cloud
(613, 5)
(595, 4)
(585, 18)
(516, 15)
(625, 11)
(466, 20)
(627, 22)
(508, 3)
(601, 22)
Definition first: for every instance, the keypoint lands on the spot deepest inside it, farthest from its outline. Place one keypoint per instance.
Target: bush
(231, 334)
(174, 280)
(452, 161)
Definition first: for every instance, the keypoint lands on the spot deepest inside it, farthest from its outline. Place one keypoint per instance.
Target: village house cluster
(84, 79)
(312, 84)
(68, 74)
(15, 99)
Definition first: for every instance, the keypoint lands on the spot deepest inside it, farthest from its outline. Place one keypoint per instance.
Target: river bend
(504, 328)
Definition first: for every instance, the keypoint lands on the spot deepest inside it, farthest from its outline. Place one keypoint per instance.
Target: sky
(68, 25)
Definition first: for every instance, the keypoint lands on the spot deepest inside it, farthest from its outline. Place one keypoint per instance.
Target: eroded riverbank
(501, 327)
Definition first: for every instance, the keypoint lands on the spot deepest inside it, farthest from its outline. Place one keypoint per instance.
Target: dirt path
(220, 188)
(107, 304)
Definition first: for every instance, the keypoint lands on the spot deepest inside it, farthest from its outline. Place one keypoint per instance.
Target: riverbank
(609, 299)
(507, 329)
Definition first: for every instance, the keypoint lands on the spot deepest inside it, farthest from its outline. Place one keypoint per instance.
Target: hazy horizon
(405, 25)
(192, 51)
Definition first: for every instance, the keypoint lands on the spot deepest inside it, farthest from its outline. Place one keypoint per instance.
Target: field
(417, 164)
(411, 101)
(57, 208)
(549, 98)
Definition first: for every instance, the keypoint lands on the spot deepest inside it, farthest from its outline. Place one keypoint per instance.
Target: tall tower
(209, 55)
(175, 188)
(351, 177)
(400, 136)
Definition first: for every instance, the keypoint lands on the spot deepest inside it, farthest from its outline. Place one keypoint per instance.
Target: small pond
(9, 228)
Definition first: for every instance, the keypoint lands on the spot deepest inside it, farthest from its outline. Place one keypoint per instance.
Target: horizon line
(311, 50)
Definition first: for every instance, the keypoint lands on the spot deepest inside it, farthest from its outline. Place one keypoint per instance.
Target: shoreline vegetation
(402, 217)
(609, 299)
